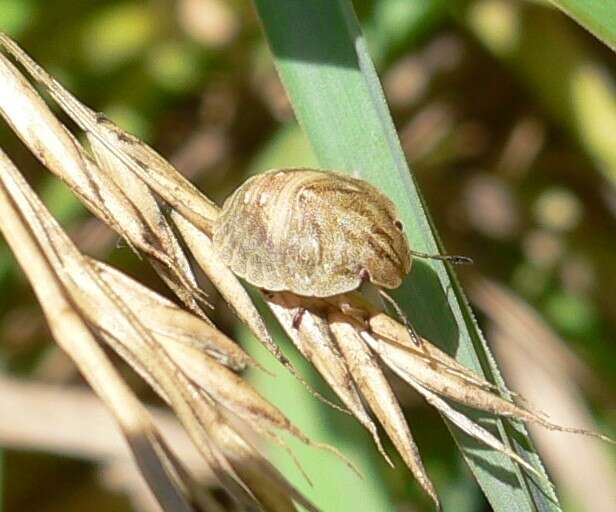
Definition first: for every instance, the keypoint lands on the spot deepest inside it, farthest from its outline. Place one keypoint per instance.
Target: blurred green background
(507, 113)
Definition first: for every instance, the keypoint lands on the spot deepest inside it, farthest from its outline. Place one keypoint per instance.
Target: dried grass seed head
(314, 233)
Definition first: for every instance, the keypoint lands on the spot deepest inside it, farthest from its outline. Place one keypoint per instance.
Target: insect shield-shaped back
(314, 233)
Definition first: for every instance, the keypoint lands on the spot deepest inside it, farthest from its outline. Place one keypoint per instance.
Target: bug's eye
(398, 225)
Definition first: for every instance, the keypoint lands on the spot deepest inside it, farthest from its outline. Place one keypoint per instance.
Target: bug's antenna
(456, 260)
(409, 327)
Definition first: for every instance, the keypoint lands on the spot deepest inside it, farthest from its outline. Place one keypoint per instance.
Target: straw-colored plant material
(347, 339)
(103, 313)
(541, 367)
(373, 385)
(82, 427)
(108, 189)
(142, 160)
(127, 170)
(315, 342)
(127, 165)
(72, 421)
(170, 324)
(431, 372)
(72, 333)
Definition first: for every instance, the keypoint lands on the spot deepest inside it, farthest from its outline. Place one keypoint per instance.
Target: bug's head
(388, 258)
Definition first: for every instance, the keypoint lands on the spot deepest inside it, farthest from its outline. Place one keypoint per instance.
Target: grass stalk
(323, 61)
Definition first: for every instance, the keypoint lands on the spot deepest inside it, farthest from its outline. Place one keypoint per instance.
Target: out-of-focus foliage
(506, 112)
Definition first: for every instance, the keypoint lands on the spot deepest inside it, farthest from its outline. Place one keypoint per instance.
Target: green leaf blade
(324, 64)
(596, 16)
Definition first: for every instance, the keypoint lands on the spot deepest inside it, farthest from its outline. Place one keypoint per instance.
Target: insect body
(314, 233)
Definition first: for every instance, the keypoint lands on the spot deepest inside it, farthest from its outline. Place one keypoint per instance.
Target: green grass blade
(596, 16)
(323, 62)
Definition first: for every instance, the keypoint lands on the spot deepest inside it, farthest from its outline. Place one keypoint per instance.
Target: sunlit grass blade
(596, 16)
(324, 64)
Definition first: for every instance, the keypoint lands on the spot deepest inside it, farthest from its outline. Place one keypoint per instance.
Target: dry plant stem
(30, 118)
(153, 169)
(541, 365)
(375, 388)
(200, 418)
(86, 429)
(116, 196)
(313, 339)
(116, 322)
(118, 151)
(170, 324)
(459, 387)
(162, 377)
(148, 166)
(232, 393)
(173, 266)
(426, 368)
(227, 283)
(72, 334)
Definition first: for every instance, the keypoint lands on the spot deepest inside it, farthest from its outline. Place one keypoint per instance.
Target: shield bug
(314, 233)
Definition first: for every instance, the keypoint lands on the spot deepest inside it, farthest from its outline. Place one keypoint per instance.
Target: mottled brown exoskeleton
(314, 233)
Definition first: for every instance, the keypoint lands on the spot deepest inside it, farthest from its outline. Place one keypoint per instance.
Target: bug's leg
(297, 317)
(415, 338)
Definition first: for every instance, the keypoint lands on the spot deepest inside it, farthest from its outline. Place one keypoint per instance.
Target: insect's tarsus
(415, 338)
(297, 317)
